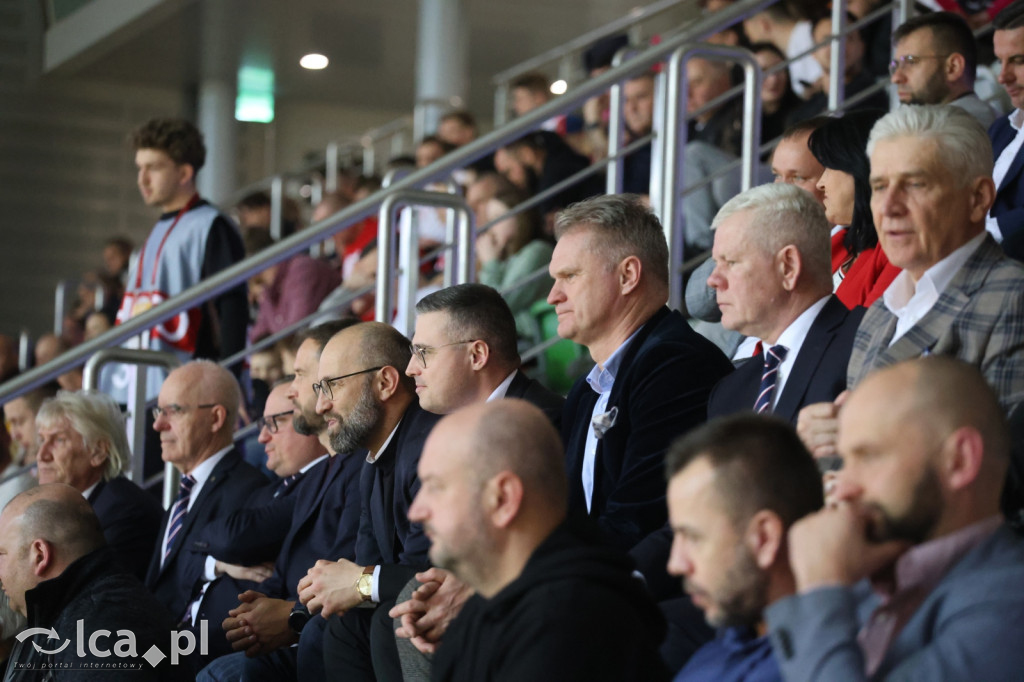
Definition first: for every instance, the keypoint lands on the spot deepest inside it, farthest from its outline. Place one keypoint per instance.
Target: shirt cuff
(210, 569)
(375, 593)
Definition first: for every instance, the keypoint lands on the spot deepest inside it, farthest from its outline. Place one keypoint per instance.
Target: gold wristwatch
(364, 584)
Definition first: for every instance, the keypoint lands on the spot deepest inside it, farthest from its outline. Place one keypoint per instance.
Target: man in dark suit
(324, 524)
(653, 373)
(1006, 217)
(82, 443)
(196, 414)
(958, 293)
(368, 402)
(912, 573)
(463, 352)
(773, 282)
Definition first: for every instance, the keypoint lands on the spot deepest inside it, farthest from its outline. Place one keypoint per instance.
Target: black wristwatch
(298, 618)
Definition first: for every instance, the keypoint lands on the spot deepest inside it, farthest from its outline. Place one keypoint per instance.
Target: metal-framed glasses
(325, 386)
(270, 420)
(910, 61)
(421, 352)
(175, 410)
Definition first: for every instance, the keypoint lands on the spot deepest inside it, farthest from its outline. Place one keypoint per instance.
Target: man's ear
(220, 416)
(790, 265)
(962, 456)
(479, 354)
(629, 270)
(954, 67)
(186, 174)
(386, 382)
(502, 498)
(41, 557)
(764, 537)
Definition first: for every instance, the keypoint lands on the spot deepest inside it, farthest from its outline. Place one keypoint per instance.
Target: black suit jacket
(661, 391)
(531, 390)
(130, 519)
(229, 485)
(818, 375)
(1008, 207)
(387, 488)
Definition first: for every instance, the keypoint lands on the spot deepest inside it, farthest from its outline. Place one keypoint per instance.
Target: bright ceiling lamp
(314, 62)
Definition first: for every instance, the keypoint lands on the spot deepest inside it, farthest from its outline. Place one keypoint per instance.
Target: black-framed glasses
(175, 410)
(270, 420)
(325, 386)
(421, 352)
(911, 60)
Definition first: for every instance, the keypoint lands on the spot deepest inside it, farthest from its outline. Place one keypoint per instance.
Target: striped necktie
(773, 357)
(178, 512)
(288, 483)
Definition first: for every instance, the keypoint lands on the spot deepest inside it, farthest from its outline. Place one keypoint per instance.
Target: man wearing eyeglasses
(1006, 217)
(935, 59)
(368, 402)
(196, 413)
(321, 521)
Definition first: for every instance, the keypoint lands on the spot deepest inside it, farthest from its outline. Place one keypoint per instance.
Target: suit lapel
(812, 352)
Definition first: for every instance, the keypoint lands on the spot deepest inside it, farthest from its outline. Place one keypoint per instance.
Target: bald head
(42, 531)
(215, 384)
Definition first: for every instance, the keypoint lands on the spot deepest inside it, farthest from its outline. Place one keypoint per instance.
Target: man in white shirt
(773, 282)
(958, 293)
(780, 28)
(1006, 216)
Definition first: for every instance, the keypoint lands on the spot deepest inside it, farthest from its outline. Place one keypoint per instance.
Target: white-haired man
(82, 443)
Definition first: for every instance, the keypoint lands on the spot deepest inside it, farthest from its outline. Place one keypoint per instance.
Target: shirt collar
(371, 457)
(202, 471)
(1016, 119)
(312, 464)
(923, 566)
(936, 278)
(602, 378)
(502, 388)
(792, 337)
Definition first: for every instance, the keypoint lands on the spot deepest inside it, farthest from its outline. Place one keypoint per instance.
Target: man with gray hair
(958, 294)
(82, 443)
(773, 282)
(653, 373)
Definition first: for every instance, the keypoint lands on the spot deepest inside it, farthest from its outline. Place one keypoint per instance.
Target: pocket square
(605, 421)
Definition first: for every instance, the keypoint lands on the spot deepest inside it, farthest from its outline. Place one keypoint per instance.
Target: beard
(307, 425)
(915, 524)
(741, 600)
(352, 431)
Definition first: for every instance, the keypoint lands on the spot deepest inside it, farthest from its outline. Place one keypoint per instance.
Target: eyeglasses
(324, 386)
(421, 352)
(270, 420)
(910, 61)
(175, 410)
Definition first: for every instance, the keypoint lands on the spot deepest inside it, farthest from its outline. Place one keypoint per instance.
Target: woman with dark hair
(778, 100)
(861, 271)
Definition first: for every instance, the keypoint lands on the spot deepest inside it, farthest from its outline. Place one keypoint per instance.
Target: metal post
(331, 172)
(675, 136)
(276, 204)
(369, 156)
(24, 350)
(59, 301)
(501, 104)
(616, 130)
(837, 60)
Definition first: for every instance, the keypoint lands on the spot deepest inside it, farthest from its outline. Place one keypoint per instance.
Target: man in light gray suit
(958, 294)
(910, 572)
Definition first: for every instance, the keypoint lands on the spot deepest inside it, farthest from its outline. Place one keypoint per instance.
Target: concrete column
(215, 105)
(442, 60)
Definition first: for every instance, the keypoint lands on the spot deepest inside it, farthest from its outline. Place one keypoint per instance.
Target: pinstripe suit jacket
(979, 318)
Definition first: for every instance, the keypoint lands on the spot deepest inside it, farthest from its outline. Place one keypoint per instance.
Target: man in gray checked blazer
(959, 295)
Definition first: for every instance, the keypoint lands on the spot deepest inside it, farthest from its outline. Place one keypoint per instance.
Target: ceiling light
(559, 87)
(314, 62)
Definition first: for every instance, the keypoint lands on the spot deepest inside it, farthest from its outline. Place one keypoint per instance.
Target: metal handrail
(136, 423)
(303, 240)
(459, 245)
(635, 17)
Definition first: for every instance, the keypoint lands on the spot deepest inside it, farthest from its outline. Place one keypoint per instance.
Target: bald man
(493, 504)
(914, 553)
(195, 415)
(57, 571)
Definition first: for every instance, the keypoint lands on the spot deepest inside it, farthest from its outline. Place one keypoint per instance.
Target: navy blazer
(531, 390)
(229, 485)
(661, 391)
(387, 487)
(818, 375)
(130, 519)
(1008, 208)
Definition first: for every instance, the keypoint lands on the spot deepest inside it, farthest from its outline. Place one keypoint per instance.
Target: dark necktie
(178, 512)
(773, 357)
(288, 484)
